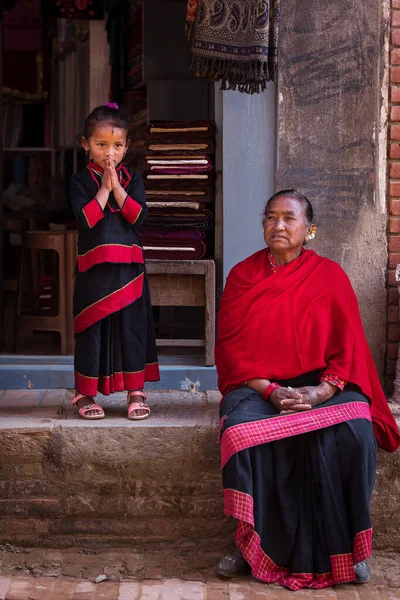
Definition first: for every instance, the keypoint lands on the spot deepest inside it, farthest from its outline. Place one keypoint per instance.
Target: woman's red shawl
(303, 318)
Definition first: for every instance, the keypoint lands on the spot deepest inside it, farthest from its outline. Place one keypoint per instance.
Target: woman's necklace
(273, 263)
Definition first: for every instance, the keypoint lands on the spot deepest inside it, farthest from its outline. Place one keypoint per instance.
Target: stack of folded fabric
(179, 181)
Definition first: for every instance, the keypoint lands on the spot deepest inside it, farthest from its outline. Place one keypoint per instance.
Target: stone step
(69, 482)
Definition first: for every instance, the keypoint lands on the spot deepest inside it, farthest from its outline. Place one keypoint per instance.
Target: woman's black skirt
(300, 485)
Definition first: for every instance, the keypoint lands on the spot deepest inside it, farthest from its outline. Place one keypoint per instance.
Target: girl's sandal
(84, 411)
(136, 406)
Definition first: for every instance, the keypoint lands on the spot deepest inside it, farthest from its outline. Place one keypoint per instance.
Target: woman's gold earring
(312, 233)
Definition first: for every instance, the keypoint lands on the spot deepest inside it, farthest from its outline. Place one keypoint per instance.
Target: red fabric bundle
(303, 318)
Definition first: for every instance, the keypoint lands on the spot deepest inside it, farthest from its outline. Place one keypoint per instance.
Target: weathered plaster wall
(330, 99)
(394, 192)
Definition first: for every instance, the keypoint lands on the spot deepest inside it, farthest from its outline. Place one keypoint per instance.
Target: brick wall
(393, 193)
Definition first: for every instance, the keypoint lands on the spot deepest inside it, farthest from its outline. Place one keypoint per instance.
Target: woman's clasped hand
(288, 399)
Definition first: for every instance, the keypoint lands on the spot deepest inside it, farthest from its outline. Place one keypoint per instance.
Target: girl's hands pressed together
(113, 175)
(119, 193)
(105, 189)
(110, 183)
(106, 181)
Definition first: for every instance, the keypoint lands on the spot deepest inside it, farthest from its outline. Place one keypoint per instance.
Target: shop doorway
(41, 118)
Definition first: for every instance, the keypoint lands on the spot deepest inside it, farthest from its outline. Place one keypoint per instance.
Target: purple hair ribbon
(113, 105)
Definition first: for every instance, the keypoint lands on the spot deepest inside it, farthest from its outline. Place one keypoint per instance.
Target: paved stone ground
(39, 574)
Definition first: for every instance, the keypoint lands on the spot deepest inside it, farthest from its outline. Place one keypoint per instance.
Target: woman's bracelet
(268, 390)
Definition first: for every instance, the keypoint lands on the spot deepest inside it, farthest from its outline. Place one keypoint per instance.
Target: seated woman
(301, 404)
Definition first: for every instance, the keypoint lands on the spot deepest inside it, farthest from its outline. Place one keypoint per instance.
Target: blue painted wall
(248, 167)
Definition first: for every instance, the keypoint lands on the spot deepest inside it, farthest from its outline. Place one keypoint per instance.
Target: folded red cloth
(178, 222)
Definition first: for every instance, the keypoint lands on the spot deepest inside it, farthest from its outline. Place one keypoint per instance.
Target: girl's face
(106, 142)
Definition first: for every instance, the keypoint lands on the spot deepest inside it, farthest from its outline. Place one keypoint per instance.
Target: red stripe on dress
(246, 435)
(109, 304)
(93, 213)
(128, 381)
(117, 382)
(93, 176)
(128, 177)
(264, 568)
(131, 210)
(87, 386)
(113, 253)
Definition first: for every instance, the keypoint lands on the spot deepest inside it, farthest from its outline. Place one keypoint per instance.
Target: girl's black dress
(115, 343)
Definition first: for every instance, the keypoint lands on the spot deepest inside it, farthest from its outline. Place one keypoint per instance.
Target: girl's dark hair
(307, 206)
(106, 114)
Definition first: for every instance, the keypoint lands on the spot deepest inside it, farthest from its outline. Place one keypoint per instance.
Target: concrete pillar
(332, 98)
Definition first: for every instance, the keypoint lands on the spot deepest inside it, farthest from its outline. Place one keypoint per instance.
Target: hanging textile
(115, 28)
(73, 9)
(235, 42)
(23, 28)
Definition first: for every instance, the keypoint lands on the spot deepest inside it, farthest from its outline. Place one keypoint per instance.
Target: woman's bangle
(268, 390)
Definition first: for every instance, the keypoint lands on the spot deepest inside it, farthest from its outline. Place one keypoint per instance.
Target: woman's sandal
(233, 565)
(135, 406)
(84, 410)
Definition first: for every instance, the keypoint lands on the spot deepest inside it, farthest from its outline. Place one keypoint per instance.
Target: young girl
(115, 345)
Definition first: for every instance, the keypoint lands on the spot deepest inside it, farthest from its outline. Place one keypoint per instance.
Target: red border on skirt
(109, 304)
(246, 435)
(113, 253)
(117, 382)
(240, 506)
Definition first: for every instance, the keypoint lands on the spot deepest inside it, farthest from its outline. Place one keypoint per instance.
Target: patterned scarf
(235, 42)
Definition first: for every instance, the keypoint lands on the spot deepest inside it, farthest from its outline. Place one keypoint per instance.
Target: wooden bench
(186, 283)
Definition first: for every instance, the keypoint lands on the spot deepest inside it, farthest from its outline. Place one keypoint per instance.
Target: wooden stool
(45, 240)
(20, 226)
(17, 225)
(186, 283)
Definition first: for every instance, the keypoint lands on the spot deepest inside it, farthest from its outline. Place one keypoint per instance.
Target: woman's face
(285, 225)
